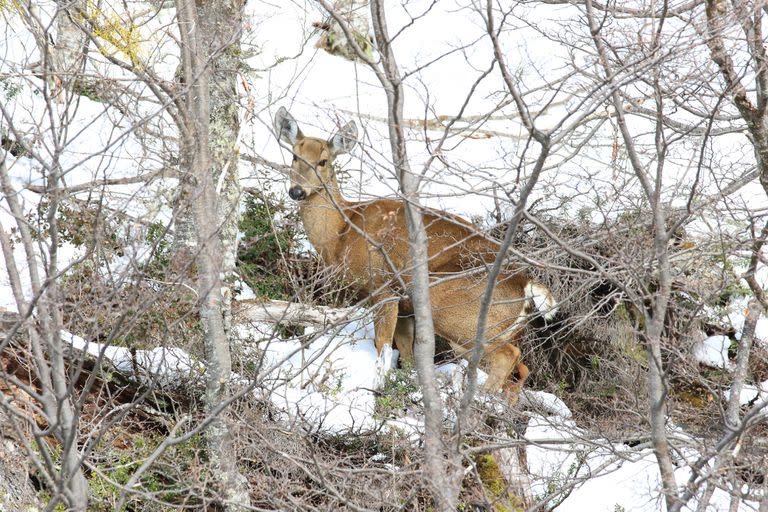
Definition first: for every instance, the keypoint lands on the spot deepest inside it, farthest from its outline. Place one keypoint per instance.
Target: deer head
(311, 170)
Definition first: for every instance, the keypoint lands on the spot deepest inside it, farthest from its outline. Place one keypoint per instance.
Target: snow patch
(542, 401)
(750, 393)
(713, 352)
(166, 367)
(573, 471)
(385, 362)
(456, 372)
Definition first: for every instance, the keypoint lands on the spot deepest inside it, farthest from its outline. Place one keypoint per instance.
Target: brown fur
(368, 240)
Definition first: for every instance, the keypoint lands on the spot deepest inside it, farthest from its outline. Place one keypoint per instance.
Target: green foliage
(165, 479)
(9, 87)
(45, 498)
(733, 288)
(584, 215)
(157, 238)
(399, 386)
(81, 226)
(10, 7)
(258, 228)
(725, 262)
(262, 251)
(84, 88)
(118, 34)
(606, 390)
(288, 331)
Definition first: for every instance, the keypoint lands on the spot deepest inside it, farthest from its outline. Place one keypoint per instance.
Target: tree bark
(443, 466)
(210, 35)
(16, 490)
(71, 43)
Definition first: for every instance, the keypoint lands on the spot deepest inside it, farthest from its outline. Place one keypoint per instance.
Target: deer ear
(344, 140)
(286, 127)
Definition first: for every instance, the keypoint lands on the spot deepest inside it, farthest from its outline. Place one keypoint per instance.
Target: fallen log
(278, 311)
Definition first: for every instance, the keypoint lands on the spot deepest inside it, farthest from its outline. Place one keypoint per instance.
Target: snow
(455, 373)
(713, 351)
(324, 386)
(543, 401)
(736, 309)
(386, 361)
(165, 367)
(594, 474)
(751, 393)
(761, 331)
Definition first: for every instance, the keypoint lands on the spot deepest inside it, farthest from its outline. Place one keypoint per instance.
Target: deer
(368, 241)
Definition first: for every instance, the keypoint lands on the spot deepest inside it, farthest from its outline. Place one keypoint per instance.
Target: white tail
(542, 299)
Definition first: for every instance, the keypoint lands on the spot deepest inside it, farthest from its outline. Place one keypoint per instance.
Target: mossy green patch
(496, 485)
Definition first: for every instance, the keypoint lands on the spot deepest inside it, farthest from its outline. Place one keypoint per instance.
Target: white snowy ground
(332, 394)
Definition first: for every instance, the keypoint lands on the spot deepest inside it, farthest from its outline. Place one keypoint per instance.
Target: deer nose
(297, 193)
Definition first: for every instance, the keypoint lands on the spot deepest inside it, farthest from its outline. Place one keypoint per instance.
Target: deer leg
(513, 387)
(501, 360)
(384, 323)
(403, 337)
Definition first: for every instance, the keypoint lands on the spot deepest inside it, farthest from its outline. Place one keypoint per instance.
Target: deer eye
(295, 158)
(322, 163)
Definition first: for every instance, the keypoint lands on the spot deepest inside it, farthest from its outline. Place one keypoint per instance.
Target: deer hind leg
(403, 337)
(455, 309)
(501, 360)
(513, 386)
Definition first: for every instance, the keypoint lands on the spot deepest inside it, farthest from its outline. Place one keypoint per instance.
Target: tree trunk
(657, 394)
(513, 467)
(71, 44)
(443, 467)
(45, 344)
(16, 490)
(210, 53)
(223, 26)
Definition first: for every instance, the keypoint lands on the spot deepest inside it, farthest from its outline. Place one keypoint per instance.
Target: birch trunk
(71, 44)
(210, 36)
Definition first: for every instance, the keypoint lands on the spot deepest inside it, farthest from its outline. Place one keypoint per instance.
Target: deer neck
(324, 221)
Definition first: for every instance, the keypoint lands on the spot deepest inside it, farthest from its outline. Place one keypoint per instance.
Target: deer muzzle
(297, 193)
